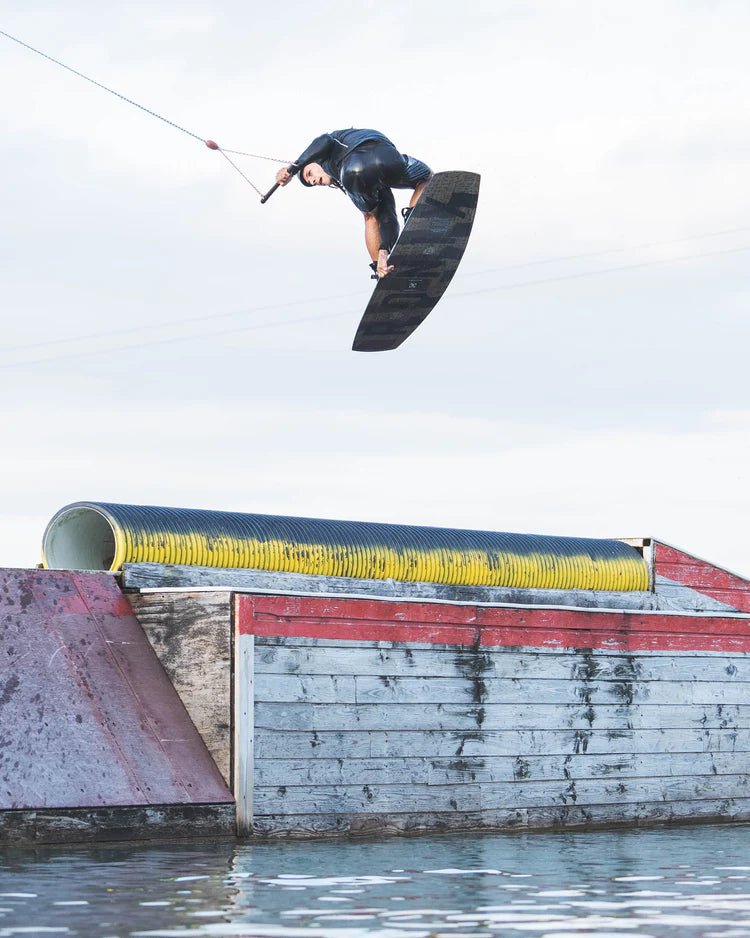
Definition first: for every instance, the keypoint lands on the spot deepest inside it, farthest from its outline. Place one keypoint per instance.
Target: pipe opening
(79, 539)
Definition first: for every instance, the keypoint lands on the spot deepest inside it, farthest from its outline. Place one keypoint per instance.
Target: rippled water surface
(685, 881)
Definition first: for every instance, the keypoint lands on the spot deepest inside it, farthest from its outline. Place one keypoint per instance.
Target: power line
(320, 318)
(621, 250)
(211, 317)
(214, 317)
(604, 270)
(7, 366)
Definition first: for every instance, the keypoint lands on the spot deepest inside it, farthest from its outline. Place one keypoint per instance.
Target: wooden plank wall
(384, 733)
(161, 577)
(191, 634)
(692, 573)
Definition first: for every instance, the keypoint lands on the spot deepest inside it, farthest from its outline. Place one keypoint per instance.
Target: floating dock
(154, 699)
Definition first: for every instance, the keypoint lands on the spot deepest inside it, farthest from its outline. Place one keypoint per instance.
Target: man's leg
(381, 232)
(418, 192)
(362, 178)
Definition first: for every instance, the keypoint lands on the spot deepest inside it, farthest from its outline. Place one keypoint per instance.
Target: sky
(167, 340)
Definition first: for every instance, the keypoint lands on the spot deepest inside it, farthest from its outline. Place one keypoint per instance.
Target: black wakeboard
(425, 259)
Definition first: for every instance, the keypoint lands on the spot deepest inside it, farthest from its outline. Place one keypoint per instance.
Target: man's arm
(319, 150)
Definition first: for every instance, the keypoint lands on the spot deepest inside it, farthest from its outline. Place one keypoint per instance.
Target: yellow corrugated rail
(98, 535)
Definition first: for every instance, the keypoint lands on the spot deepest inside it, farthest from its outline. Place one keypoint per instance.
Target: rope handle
(275, 186)
(209, 143)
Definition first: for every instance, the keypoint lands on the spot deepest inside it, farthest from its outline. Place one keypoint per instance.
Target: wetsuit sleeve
(319, 150)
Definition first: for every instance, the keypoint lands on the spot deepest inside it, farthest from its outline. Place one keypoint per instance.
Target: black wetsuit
(366, 165)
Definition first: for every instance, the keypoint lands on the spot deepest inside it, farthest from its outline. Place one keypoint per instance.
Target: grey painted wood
(341, 771)
(487, 690)
(521, 768)
(472, 796)
(296, 716)
(190, 633)
(667, 595)
(282, 641)
(162, 576)
(308, 688)
(354, 745)
(378, 737)
(272, 743)
(244, 731)
(673, 595)
(536, 818)
(309, 657)
(483, 689)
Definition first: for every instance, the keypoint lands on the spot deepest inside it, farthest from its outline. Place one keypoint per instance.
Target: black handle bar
(275, 186)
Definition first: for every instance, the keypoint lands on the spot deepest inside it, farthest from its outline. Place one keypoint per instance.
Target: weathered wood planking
(459, 729)
(353, 744)
(676, 596)
(495, 626)
(190, 633)
(158, 576)
(244, 731)
(670, 592)
(450, 717)
(316, 656)
(499, 796)
(482, 688)
(628, 814)
(392, 770)
(117, 823)
(695, 574)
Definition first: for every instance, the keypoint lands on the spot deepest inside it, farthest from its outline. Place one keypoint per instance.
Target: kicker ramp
(94, 741)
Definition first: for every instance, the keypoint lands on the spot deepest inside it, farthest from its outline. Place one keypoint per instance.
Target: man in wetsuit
(365, 165)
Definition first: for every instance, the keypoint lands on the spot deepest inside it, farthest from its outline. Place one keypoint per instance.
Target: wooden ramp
(93, 737)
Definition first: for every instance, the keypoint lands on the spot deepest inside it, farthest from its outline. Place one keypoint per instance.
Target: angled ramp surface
(88, 716)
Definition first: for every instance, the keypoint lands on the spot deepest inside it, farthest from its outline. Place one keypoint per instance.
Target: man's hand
(283, 176)
(383, 268)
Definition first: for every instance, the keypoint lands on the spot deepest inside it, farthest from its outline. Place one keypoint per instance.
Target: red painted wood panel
(702, 576)
(373, 620)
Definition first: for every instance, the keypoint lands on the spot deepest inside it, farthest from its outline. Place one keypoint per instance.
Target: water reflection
(690, 881)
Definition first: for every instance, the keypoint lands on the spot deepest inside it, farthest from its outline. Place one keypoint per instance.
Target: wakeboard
(425, 259)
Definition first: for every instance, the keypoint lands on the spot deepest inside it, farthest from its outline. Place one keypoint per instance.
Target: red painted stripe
(531, 621)
(702, 576)
(350, 611)
(341, 607)
(372, 620)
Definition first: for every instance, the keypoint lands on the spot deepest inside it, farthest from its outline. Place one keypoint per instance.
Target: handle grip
(275, 186)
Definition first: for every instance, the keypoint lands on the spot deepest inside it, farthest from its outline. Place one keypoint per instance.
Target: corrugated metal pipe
(102, 536)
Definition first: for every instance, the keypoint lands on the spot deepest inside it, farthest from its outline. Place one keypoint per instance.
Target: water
(658, 882)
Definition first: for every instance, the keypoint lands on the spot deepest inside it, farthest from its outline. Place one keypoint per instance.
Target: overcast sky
(168, 340)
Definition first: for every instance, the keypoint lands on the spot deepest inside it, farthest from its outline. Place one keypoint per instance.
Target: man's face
(314, 175)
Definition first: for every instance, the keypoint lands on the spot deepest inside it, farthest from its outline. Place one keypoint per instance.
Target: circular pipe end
(79, 537)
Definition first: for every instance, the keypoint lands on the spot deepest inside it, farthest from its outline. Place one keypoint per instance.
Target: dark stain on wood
(521, 769)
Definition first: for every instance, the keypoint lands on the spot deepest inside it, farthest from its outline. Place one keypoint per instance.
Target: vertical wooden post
(244, 724)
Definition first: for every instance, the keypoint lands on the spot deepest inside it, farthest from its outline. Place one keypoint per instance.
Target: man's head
(312, 174)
